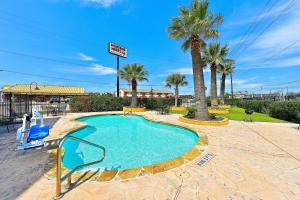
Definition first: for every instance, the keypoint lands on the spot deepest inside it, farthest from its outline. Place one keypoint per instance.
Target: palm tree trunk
(231, 82)
(222, 88)
(199, 85)
(176, 95)
(134, 94)
(213, 89)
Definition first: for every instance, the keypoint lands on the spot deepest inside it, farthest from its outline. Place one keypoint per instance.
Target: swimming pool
(130, 142)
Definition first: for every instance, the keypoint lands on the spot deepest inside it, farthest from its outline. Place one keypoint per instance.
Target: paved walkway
(19, 169)
(252, 161)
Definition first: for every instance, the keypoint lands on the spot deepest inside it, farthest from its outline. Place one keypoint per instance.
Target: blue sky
(75, 33)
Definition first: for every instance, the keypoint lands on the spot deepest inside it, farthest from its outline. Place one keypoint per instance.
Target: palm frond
(134, 71)
(195, 21)
(176, 79)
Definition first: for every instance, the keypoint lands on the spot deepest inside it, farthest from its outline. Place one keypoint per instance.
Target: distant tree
(177, 80)
(214, 55)
(134, 73)
(231, 62)
(225, 68)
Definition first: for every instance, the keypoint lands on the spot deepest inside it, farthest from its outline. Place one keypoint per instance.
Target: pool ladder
(60, 179)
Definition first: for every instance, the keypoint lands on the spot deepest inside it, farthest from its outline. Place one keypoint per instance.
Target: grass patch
(238, 114)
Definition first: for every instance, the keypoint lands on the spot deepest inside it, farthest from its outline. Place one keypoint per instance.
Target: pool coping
(132, 110)
(114, 175)
(223, 122)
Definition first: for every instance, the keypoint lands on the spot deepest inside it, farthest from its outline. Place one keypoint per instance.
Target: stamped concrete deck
(253, 161)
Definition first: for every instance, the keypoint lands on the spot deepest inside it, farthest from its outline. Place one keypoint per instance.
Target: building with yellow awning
(43, 90)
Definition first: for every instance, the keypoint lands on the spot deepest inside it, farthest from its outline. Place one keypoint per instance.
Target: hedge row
(108, 102)
(286, 110)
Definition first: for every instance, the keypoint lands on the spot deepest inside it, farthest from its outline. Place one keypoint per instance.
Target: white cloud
(102, 3)
(94, 69)
(246, 19)
(243, 83)
(279, 35)
(101, 70)
(282, 35)
(185, 71)
(274, 48)
(85, 57)
(272, 64)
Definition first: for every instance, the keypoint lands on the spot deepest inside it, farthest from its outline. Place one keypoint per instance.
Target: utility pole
(118, 76)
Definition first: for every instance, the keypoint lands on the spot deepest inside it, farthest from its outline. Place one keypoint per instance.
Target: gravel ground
(19, 169)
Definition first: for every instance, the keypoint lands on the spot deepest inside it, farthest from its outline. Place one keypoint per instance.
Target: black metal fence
(16, 109)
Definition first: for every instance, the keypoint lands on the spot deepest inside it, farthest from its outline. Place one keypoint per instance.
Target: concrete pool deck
(252, 161)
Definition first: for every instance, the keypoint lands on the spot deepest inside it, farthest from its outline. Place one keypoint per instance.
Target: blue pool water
(130, 142)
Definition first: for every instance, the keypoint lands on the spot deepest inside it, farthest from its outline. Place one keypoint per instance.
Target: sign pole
(118, 51)
(118, 76)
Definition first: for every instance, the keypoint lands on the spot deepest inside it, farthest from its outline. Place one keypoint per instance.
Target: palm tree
(134, 73)
(177, 80)
(231, 62)
(225, 68)
(193, 26)
(214, 54)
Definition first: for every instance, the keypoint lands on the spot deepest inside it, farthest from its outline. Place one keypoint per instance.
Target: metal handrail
(60, 179)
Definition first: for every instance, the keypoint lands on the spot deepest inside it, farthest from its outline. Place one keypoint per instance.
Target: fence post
(10, 105)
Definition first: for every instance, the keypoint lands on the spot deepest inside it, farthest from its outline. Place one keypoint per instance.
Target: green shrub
(108, 102)
(285, 110)
(81, 104)
(191, 112)
(154, 103)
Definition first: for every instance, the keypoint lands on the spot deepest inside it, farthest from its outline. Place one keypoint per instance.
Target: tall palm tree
(193, 27)
(214, 55)
(231, 62)
(134, 73)
(176, 80)
(225, 68)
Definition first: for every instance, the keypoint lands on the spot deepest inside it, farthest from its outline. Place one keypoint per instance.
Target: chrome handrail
(60, 179)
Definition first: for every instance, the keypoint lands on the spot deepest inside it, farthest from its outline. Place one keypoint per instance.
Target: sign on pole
(119, 51)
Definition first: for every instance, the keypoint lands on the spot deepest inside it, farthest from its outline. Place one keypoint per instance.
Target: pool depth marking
(205, 159)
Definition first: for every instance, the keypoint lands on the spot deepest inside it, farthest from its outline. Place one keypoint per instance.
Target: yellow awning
(44, 90)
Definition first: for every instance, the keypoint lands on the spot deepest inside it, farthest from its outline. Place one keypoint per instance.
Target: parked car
(68, 99)
(56, 100)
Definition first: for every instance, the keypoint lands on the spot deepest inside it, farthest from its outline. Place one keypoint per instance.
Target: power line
(255, 23)
(58, 35)
(42, 58)
(289, 6)
(141, 85)
(67, 79)
(281, 51)
(54, 34)
(278, 53)
(51, 77)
